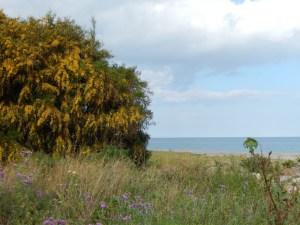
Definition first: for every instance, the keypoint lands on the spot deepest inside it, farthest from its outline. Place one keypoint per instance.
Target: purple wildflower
(134, 205)
(49, 221)
(141, 205)
(190, 193)
(103, 205)
(98, 223)
(60, 222)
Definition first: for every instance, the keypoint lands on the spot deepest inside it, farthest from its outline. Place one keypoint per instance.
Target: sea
(225, 145)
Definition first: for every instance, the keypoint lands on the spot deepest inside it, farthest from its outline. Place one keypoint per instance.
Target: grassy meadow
(174, 188)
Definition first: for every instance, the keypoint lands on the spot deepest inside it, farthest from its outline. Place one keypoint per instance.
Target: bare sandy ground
(286, 156)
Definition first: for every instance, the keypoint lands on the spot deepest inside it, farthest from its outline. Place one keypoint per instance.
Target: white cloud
(184, 37)
(195, 95)
(161, 81)
(203, 34)
(158, 78)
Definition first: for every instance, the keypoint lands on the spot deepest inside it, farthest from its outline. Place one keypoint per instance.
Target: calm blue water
(223, 145)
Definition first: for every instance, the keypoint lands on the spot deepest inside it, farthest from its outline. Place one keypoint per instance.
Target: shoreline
(277, 156)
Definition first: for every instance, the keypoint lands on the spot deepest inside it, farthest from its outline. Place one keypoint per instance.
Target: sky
(217, 68)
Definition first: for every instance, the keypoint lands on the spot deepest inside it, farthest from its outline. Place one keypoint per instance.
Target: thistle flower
(133, 205)
(60, 222)
(49, 221)
(103, 205)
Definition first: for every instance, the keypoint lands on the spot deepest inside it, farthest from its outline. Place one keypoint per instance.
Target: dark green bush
(112, 152)
(289, 164)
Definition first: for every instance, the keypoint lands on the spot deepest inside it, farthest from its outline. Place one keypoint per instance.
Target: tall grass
(175, 189)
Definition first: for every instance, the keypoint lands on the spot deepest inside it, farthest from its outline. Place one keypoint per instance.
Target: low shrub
(289, 164)
(251, 164)
(108, 153)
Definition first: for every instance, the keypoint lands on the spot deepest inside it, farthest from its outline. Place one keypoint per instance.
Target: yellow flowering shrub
(60, 94)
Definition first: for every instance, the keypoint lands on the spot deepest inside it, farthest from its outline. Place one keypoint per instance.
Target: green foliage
(109, 153)
(23, 205)
(252, 164)
(251, 145)
(59, 93)
(289, 163)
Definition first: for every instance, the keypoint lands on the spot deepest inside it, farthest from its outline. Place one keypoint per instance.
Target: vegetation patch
(59, 94)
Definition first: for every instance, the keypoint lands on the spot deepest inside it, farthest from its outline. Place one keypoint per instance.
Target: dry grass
(179, 188)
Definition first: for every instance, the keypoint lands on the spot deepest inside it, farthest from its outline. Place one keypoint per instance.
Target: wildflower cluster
(130, 207)
(140, 205)
(51, 221)
(136, 203)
